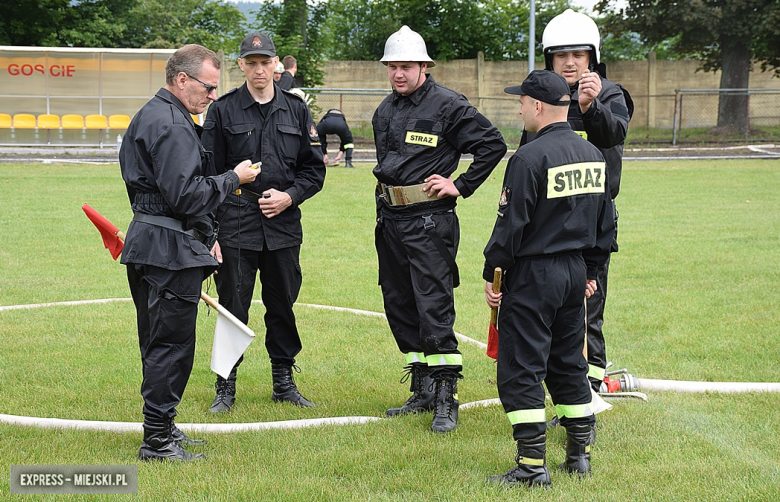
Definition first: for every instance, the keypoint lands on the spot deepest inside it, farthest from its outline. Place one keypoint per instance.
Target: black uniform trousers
(417, 283)
(541, 331)
(166, 303)
(597, 352)
(335, 124)
(280, 277)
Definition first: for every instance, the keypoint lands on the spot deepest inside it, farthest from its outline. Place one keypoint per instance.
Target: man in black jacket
(554, 228)
(166, 171)
(599, 112)
(260, 226)
(334, 122)
(420, 132)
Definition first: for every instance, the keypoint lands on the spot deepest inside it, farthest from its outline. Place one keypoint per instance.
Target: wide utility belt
(250, 195)
(404, 195)
(170, 224)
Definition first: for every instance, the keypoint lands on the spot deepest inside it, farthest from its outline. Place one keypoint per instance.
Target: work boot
(226, 393)
(445, 411)
(348, 164)
(422, 398)
(284, 386)
(531, 468)
(577, 450)
(158, 444)
(182, 439)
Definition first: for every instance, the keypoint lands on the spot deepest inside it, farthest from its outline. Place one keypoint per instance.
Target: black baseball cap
(544, 85)
(257, 43)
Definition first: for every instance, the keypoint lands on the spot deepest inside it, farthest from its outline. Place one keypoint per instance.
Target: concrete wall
(651, 83)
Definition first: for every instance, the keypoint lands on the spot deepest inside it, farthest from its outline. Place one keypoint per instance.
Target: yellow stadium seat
(5, 121)
(118, 121)
(24, 121)
(48, 121)
(72, 122)
(96, 122)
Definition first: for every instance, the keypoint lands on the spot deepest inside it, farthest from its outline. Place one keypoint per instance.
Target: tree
(170, 24)
(725, 34)
(295, 26)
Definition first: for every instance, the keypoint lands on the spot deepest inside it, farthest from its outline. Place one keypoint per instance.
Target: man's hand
(444, 186)
(492, 299)
(325, 159)
(589, 89)
(245, 172)
(590, 288)
(274, 202)
(216, 252)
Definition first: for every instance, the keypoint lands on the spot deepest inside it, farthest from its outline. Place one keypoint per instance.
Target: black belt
(169, 223)
(250, 195)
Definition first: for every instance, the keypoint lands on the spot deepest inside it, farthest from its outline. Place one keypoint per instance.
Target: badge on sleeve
(506, 194)
(313, 133)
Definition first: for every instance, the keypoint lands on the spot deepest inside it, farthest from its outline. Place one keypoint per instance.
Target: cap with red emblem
(257, 43)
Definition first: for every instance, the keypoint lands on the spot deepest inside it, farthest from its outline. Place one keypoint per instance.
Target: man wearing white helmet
(278, 71)
(599, 112)
(420, 132)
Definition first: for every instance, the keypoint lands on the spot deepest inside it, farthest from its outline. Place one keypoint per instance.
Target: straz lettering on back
(576, 179)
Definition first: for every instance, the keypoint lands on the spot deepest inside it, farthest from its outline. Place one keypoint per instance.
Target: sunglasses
(208, 87)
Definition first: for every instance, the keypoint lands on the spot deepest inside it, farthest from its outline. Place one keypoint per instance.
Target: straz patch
(576, 179)
(582, 134)
(313, 133)
(506, 193)
(419, 138)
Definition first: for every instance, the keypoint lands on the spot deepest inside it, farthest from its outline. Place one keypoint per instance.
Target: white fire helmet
(279, 67)
(568, 32)
(406, 45)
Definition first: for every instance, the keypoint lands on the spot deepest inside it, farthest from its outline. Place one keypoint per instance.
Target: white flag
(231, 339)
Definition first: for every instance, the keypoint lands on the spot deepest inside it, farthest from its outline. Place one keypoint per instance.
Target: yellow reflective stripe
(576, 179)
(349, 145)
(596, 372)
(419, 138)
(573, 410)
(445, 360)
(582, 134)
(526, 416)
(531, 461)
(415, 357)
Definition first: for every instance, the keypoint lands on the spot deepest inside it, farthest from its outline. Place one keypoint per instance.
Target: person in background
(287, 80)
(334, 122)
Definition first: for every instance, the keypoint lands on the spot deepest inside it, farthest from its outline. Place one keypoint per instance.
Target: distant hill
(246, 8)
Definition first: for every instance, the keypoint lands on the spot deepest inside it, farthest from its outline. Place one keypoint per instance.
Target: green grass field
(693, 296)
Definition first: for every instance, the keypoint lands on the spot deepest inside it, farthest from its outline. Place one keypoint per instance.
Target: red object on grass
(108, 231)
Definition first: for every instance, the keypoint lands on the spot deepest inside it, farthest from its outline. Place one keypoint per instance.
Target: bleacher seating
(5, 121)
(72, 121)
(118, 121)
(49, 122)
(24, 121)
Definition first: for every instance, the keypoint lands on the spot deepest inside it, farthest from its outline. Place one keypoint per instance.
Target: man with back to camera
(600, 111)
(334, 122)
(287, 80)
(420, 132)
(553, 232)
(261, 226)
(167, 249)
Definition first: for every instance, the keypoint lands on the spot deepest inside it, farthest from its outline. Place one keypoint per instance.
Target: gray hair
(189, 59)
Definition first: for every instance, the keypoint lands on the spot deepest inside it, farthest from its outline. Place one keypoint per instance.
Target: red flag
(111, 238)
(492, 345)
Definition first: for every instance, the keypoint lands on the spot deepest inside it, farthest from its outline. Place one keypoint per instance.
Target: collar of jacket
(419, 94)
(168, 96)
(247, 100)
(555, 126)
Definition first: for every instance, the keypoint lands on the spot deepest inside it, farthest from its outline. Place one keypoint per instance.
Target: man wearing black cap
(554, 228)
(261, 224)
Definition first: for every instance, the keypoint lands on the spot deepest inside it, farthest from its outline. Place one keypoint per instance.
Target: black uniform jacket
(425, 133)
(554, 201)
(287, 144)
(165, 170)
(605, 125)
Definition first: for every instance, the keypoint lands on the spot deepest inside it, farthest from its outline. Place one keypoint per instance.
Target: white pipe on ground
(726, 387)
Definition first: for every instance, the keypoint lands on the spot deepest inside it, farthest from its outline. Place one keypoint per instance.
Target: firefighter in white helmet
(420, 131)
(599, 112)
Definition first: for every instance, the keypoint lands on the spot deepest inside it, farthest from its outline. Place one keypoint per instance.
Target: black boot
(423, 397)
(348, 164)
(445, 412)
(578, 439)
(226, 393)
(554, 422)
(531, 468)
(284, 386)
(182, 439)
(158, 443)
